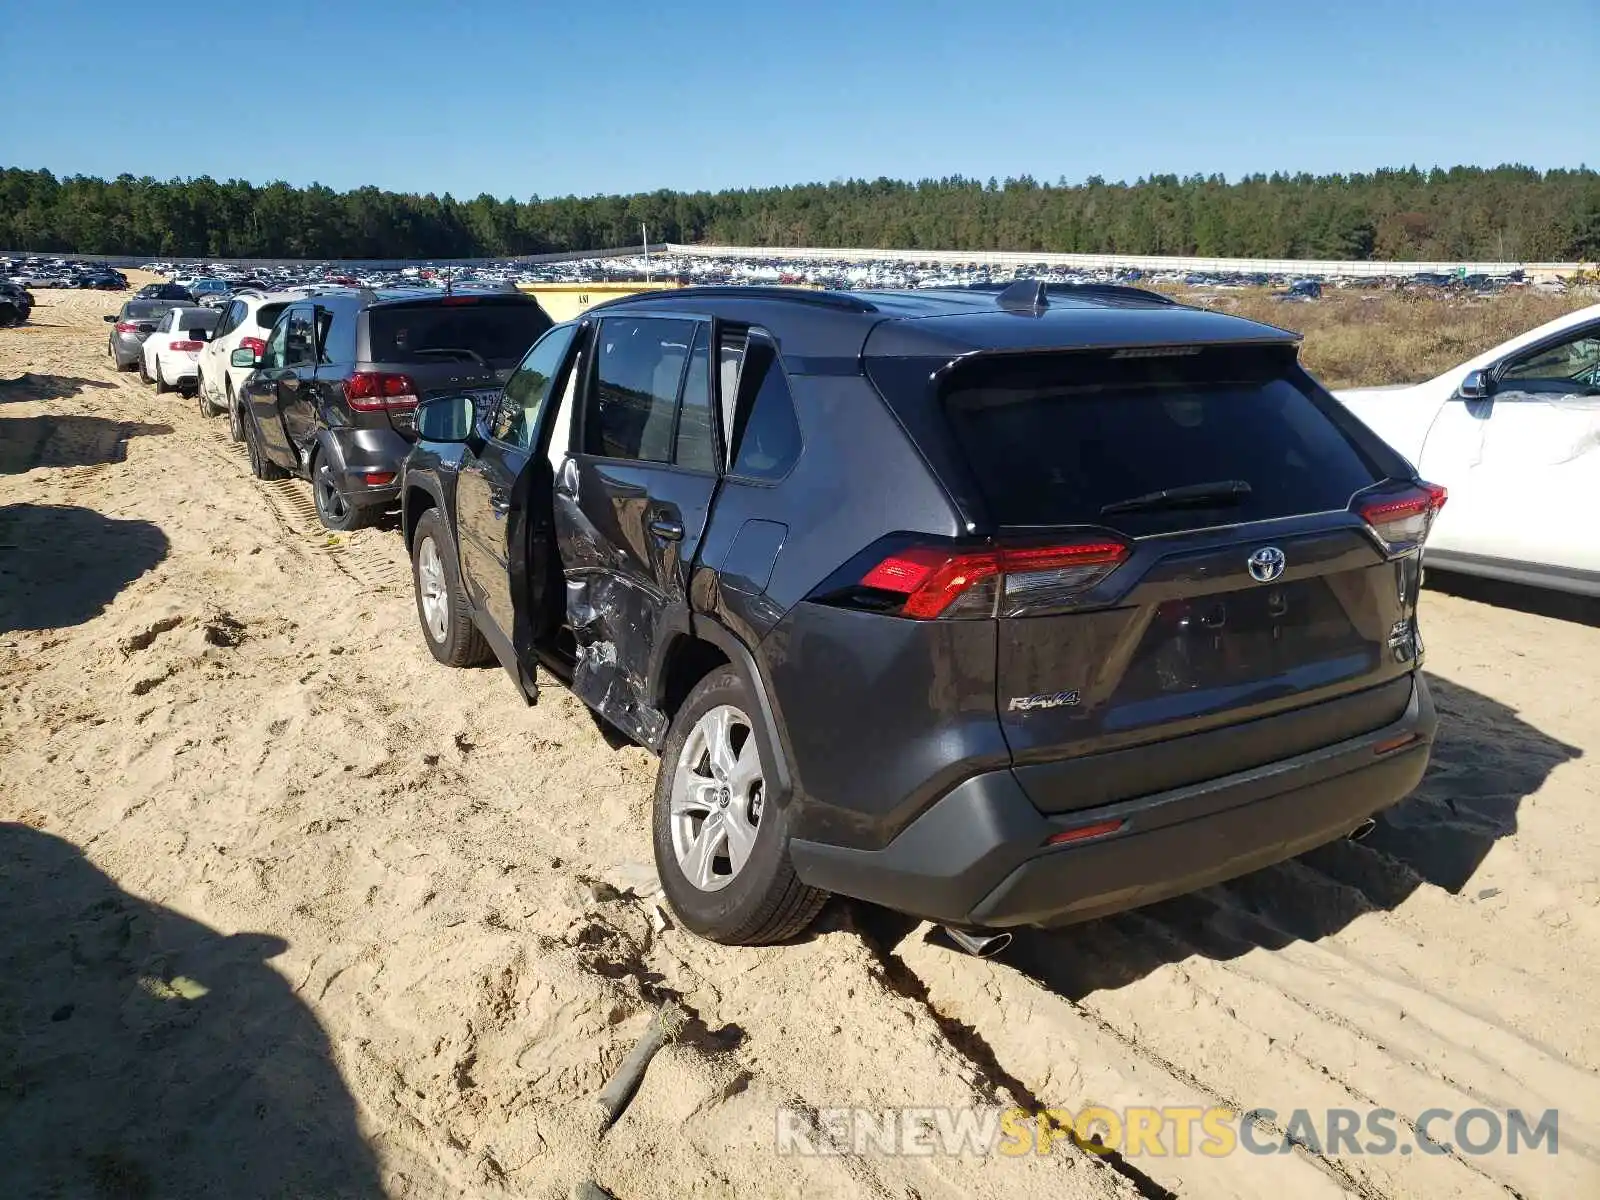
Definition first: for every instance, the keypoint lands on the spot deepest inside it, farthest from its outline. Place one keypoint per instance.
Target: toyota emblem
(1266, 564)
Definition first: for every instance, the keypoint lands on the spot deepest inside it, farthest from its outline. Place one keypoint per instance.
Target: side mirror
(244, 358)
(111, 318)
(446, 419)
(1476, 386)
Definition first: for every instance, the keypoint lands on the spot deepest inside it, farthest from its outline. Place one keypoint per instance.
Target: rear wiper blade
(458, 351)
(1194, 495)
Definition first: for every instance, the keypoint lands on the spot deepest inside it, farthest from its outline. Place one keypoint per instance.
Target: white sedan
(1514, 434)
(172, 352)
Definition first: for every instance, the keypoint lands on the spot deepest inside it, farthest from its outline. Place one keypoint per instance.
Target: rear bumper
(364, 452)
(978, 857)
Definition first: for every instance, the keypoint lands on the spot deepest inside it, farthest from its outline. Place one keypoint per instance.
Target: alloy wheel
(434, 590)
(717, 794)
(329, 498)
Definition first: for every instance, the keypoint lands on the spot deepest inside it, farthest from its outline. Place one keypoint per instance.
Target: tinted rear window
(1052, 440)
(498, 332)
(200, 318)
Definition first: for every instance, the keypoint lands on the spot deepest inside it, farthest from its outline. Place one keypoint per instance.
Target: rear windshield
(464, 331)
(200, 318)
(1053, 440)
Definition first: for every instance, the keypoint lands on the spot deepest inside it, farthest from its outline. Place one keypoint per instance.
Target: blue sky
(517, 97)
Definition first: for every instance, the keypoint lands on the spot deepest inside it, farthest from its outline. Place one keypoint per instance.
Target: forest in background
(1507, 213)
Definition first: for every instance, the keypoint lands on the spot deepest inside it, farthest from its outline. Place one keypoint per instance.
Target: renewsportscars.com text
(1160, 1132)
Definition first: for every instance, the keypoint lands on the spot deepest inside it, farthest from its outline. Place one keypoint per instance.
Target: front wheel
(144, 375)
(441, 601)
(722, 852)
(162, 386)
(235, 417)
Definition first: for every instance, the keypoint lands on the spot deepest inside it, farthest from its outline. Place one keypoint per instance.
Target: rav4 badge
(1042, 700)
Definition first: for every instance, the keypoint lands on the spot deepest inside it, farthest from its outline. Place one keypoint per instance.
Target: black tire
(261, 466)
(235, 416)
(144, 376)
(207, 409)
(162, 386)
(765, 901)
(334, 509)
(460, 643)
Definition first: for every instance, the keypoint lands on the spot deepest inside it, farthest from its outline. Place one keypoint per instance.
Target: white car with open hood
(1514, 434)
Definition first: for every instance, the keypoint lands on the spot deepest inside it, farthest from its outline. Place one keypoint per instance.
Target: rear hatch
(452, 344)
(1178, 549)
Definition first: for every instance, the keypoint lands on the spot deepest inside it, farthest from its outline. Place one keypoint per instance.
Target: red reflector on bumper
(1084, 832)
(378, 478)
(1394, 743)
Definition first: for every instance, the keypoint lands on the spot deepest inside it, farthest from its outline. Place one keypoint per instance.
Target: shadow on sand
(29, 386)
(62, 565)
(146, 1055)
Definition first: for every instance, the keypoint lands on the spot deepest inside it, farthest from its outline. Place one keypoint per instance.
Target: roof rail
(1024, 287)
(843, 301)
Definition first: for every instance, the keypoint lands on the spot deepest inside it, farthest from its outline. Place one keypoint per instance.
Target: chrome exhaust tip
(979, 945)
(1360, 832)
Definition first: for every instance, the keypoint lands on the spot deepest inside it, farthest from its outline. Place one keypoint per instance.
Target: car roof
(949, 323)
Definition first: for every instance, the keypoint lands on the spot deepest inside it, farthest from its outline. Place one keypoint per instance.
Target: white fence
(1103, 262)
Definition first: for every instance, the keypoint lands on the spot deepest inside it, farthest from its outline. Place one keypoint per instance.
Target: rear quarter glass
(1053, 439)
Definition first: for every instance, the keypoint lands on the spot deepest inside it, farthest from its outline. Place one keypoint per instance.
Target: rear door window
(695, 447)
(466, 329)
(1055, 439)
(639, 369)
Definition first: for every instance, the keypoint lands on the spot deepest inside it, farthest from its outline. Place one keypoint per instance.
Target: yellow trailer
(563, 301)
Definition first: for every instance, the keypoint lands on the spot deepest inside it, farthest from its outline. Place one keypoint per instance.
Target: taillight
(186, 345)
(126, 327)
(377, 391)
(255, 345)
(944, 582)
(1402, 519)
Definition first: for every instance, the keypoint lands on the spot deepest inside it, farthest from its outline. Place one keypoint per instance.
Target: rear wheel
(261, 466)
(722, 852)
(441, 601)
(334, 510)
(207, 409)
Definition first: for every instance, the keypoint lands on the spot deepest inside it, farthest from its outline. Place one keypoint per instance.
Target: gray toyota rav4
(997, 607)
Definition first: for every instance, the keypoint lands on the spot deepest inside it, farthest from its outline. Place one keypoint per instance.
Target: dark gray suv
(334, 389)
(999, 608)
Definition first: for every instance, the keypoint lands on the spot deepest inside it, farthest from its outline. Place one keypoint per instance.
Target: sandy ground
(287, 909)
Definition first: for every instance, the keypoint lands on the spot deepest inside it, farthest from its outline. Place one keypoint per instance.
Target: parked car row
(38, 272)
(1000, 607)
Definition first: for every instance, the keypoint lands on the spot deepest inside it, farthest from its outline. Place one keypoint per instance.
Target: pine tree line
(1507, 213)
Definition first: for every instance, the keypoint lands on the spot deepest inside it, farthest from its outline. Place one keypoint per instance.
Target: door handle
(666, 527)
